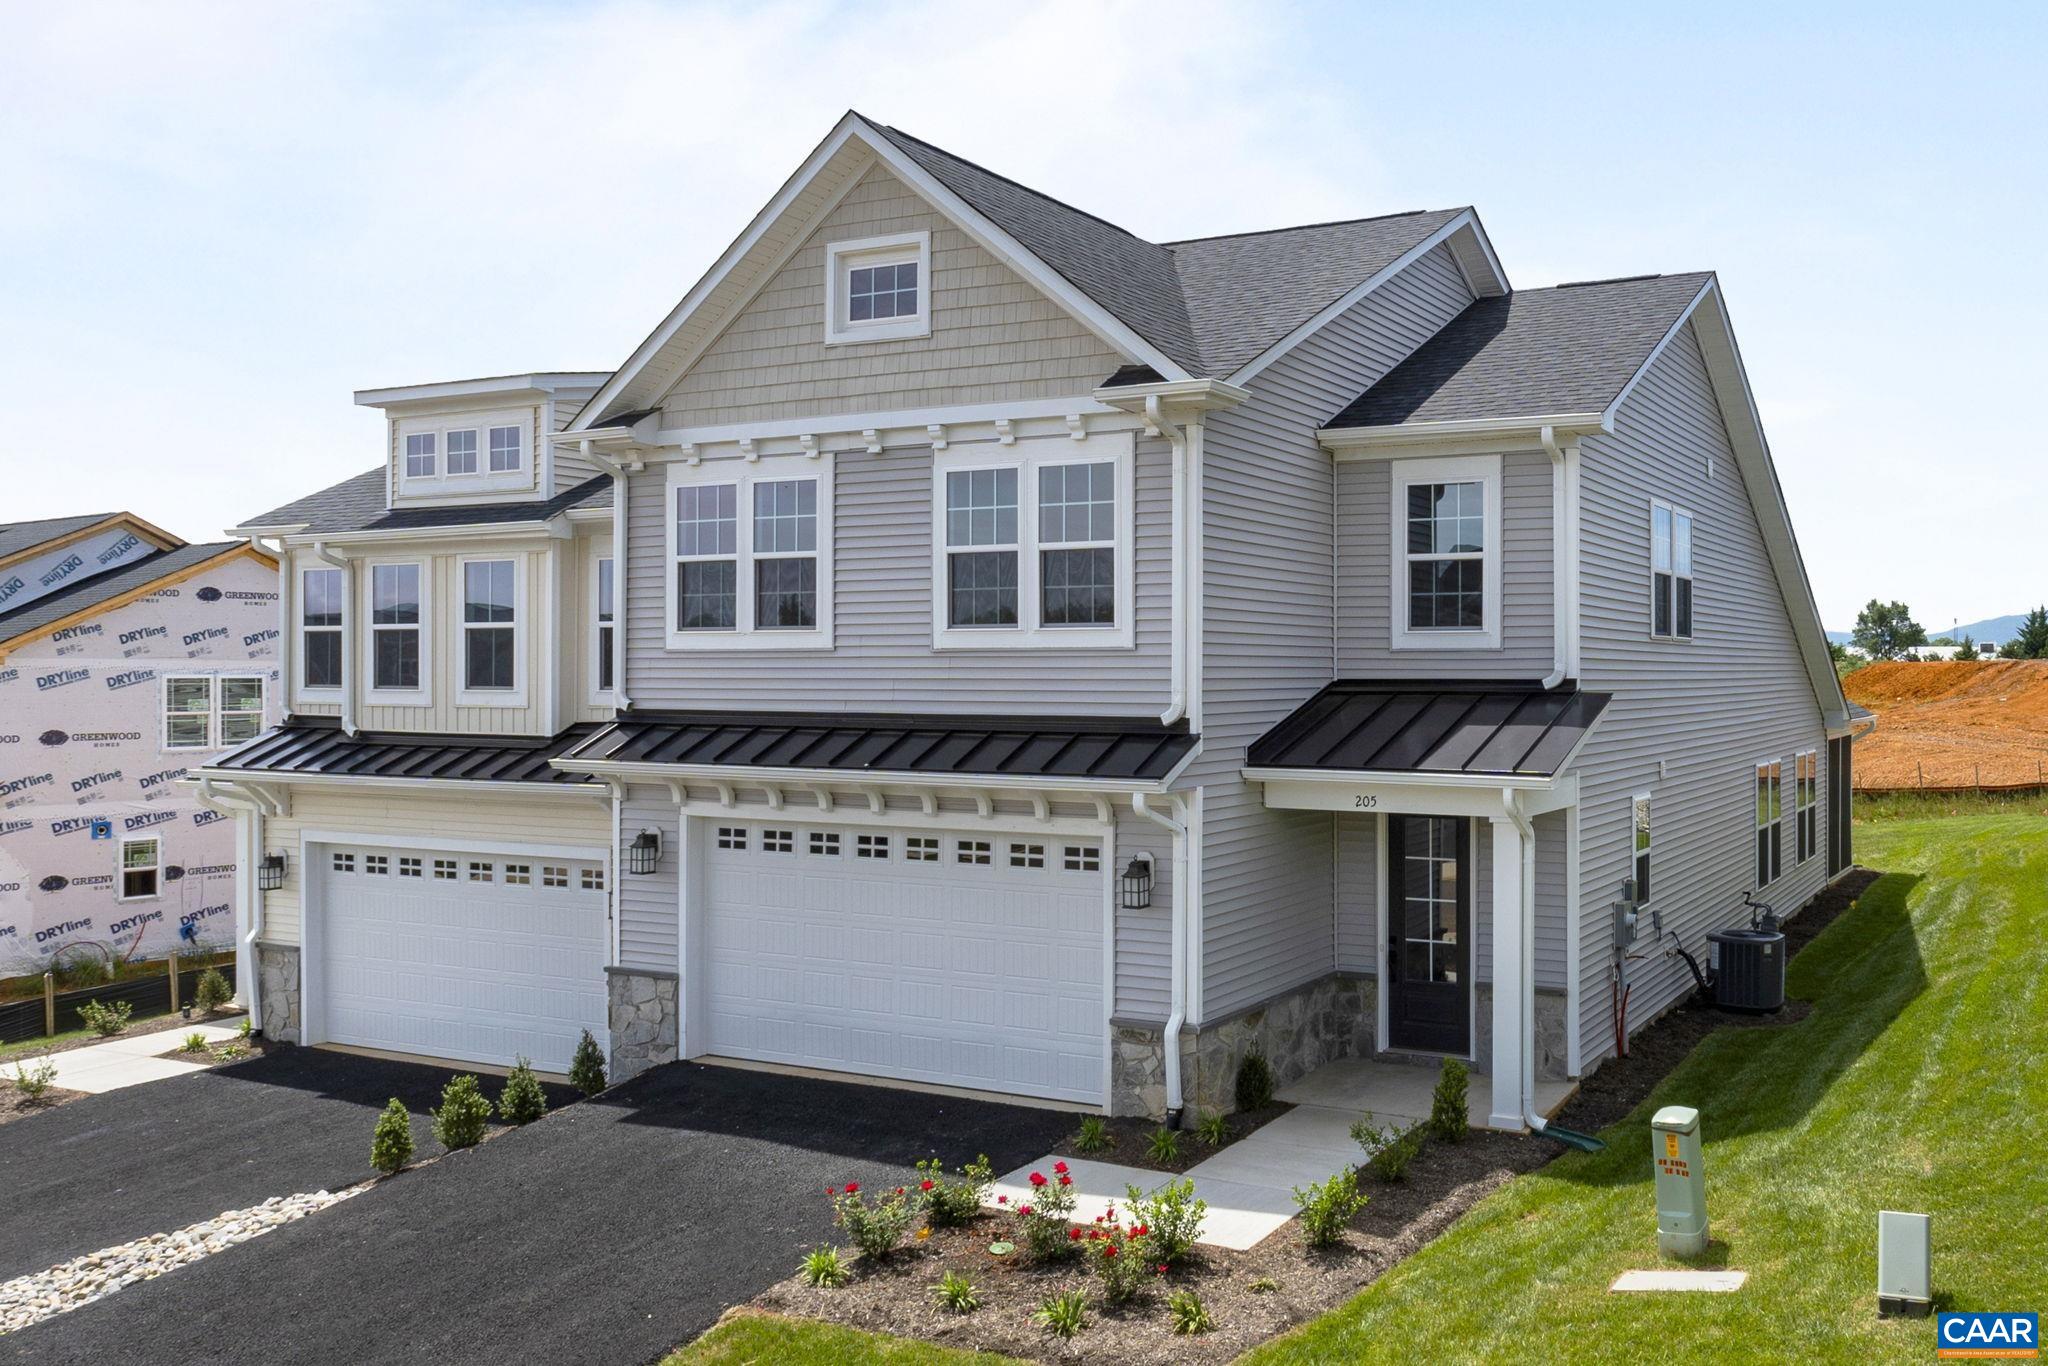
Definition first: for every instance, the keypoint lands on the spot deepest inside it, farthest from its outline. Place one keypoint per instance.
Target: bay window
(750, 546)
(1670, 572)
(395, 628)
(320, 610)
(1446, 523)
(490, 631)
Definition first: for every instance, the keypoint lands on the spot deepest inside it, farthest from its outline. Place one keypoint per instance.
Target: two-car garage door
(452, 954)
(970, 960)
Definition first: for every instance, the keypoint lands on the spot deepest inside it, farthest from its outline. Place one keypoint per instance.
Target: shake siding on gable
(1270, 636)
(1710, 709)
(994, 337)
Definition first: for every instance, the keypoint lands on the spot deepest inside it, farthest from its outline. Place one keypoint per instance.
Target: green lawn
(1919, 1082)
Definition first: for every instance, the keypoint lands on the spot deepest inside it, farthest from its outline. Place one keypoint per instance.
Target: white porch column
(1509, 985)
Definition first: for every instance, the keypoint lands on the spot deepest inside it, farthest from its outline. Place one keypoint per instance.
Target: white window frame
(397, 697)
(602, 651)
(745, 474)
(1027, 458)
(1676, 512)
(843, 258)
(1484, 470)
(121, 868)
(214, 713)
(302, 689)
(1772, 830)
(1804, 810)
(515, 696)
(484, 479)
(1642, 862)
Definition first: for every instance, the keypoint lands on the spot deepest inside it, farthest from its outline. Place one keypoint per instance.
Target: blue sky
(220, 220)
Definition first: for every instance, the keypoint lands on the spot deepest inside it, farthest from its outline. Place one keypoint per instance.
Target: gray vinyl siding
(1707, 711)
(570, 468)
(883, 658)
(649, 906)
(1270, 638)
(1365, 564)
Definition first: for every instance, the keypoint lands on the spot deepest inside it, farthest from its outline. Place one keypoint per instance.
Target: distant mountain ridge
(1997, 630)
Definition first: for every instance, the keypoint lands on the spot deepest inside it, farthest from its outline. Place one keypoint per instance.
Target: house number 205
(1362, 802)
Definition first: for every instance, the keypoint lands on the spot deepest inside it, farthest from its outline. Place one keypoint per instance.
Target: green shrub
(229, 1051)
(1448, 1117)
(1254, 1080)
(105, 1019)
(1046, 1215)
(1263, 1285)
(35, 1082)
(1167, 1221)
(955, 1293)
(1190, 1315)
(823, 1268)
(1327, 1206)
(1094, 1136)
(586, 1069)
(1388, 1149)
(1117, 1256)
(213, 991)
(246, 1028)
(391, 1144)
(1214, 1130)
(464, 1112)
(522, 1101)
(1164, 1146)
(1062, 1315)
(875, 1226)
(195, 1042)
(949, 1203)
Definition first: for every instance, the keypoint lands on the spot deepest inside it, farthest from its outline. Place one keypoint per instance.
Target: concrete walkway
(1250, 1184)
(128, 1061)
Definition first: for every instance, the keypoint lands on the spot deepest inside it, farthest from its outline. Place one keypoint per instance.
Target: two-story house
(1051, 662)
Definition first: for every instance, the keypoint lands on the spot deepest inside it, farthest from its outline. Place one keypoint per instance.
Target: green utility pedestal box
(1681, 1182)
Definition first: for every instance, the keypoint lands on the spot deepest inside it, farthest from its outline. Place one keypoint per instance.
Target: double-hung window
(490, 630)
(604, 612)
(1446, 522)
(320, 608)
(141, 868)
(1034, 551)
(1806, 804)
(751, 552)
(1670, 572)
(395, 627)
(1639, 825)
(1770, 850)
(202, 711)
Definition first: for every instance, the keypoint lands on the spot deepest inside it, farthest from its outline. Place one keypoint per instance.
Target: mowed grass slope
(1918, 1082)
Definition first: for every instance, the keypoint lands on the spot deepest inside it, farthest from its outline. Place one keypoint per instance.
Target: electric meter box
(1681, 1181)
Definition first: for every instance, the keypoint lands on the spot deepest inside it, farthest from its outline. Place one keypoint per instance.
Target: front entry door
(1429, 953)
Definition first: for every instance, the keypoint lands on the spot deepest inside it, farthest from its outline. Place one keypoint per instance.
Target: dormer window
(419, 455)
(462, 452)
(505, 445)
(878, 288)
(465, 452)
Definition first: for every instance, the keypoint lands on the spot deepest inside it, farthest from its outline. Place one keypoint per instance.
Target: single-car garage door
(972, 960)
(476, 957)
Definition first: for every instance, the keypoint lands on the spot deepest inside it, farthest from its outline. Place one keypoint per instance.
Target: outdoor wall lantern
(643, 855)
(1137, 880)
(270, 872)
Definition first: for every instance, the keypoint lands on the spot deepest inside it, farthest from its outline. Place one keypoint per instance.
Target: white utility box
(1681, 1182)
(1905, 1254)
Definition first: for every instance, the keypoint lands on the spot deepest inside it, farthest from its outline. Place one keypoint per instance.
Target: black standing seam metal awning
(1494, 729)
(317, 747)
(950, 746)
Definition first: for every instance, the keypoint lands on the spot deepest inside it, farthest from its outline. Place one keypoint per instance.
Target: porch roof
(316, 746)
(1403, 726)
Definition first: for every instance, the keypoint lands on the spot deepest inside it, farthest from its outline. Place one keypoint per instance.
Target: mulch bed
(155, 1024)
(251, 1047)
(14, 1105)
(1131, 1140)
(1294, 1284)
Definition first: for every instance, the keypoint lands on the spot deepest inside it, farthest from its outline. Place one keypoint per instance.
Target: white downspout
(248, 977)
(1561, 605)
(1177, 694)
(618, 474)
(1177, 990)
(348, 634)
(1525, 1052)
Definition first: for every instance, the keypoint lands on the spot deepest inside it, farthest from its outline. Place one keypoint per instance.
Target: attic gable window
(878, 288)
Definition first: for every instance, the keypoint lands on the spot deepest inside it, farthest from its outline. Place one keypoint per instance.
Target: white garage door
(962, 960)
(475, 957)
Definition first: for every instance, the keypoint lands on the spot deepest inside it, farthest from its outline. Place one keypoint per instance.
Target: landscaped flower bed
(1133, 1142)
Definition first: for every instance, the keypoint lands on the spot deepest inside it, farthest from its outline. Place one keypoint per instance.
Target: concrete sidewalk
(128, 1061)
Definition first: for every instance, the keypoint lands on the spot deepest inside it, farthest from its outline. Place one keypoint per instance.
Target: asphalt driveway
(606, 1233)
(156, 1157)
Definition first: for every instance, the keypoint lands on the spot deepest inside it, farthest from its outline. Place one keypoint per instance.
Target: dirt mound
(1969, 724)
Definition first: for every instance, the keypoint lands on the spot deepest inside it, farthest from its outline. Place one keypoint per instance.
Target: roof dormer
(479, 440)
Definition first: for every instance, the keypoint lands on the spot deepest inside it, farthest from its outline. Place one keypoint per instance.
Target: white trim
(1382, 1024)
(1028, 459)
(843, 258)
(453, 785)
(596, 655)
(1692, 534)
(1485, 470)
(1574, 916)
(738, 775)
(897, 428)
(515, 696)
(480, 479)
(1485, 433)
(421, 696)
(1361, 794)
(302, 692)
(536, 385)
(121, 868)
(744, 475)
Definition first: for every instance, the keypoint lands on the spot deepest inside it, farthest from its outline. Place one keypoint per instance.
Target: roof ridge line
(1305, 227)
(1016, 184)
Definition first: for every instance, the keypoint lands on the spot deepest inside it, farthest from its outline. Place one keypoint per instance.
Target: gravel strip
(78, 1282)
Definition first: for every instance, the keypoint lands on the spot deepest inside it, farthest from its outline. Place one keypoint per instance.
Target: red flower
(1140, 1231)
(899, 1190)
(1074, 1235)
(1002, 1199)
(1037, 1180)
(1162, 1268)
(1023, 1209)
(1110, 1250)
(853, 1188)
(1066, 1181)
(1094, 1234)
(924, 1185)
(1060, 1167)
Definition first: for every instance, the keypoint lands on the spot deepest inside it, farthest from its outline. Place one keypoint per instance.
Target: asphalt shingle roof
(358, 505)
(16, 537)
(1567, 349)
(33, 616)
